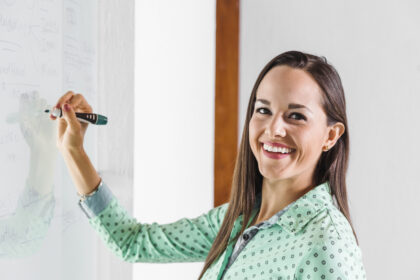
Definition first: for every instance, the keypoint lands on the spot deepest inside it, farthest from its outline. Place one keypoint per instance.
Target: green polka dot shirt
(308, 239)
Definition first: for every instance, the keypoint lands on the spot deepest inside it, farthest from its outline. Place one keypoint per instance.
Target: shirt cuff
(96, 203)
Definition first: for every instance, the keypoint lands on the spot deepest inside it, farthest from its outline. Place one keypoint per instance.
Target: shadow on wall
(23, 231)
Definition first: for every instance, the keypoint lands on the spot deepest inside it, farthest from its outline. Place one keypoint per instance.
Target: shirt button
(245, 237)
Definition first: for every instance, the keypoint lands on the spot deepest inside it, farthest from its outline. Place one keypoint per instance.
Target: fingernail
(66, 107)
(57, 106)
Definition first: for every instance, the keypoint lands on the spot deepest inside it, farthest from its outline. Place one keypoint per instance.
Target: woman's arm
(81, 170)
(70, 142)
(185, 240)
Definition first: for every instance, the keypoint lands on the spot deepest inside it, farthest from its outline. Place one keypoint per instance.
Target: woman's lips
(274, 155)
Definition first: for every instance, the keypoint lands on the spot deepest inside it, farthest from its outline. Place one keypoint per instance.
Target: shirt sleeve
(331, 260)
(185, 240)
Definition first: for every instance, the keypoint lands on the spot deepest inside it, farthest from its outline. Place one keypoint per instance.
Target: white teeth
(276, 149)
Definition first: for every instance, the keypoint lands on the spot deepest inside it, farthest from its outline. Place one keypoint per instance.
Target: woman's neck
(277, 195)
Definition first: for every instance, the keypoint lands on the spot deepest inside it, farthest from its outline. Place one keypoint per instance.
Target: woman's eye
(259, 110)
(300, 116)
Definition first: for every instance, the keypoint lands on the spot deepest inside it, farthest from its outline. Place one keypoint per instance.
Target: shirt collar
(304, 208)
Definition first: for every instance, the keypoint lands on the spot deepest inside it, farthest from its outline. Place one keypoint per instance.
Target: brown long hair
(332, 165)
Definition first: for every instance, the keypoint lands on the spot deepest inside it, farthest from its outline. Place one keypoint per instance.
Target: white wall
(374, 47)
(115, 100)
(174, 118)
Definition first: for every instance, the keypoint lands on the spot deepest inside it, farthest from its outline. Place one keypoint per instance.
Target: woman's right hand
(71, 132)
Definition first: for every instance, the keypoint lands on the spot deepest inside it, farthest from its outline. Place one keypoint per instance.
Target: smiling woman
(292, 162)
(292, 125)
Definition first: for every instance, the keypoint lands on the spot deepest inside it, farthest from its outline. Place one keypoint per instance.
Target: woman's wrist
(84, 196)
(81, 170)
(73, 152)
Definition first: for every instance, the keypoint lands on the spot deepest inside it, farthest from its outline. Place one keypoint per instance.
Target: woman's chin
(274, 175)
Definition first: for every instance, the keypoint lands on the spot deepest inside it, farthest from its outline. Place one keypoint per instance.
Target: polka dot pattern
(186, 240)
(311, 240)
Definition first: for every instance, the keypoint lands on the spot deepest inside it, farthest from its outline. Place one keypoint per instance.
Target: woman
(281, 221)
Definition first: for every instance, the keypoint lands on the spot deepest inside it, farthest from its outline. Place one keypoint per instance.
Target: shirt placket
(246, 237)
(243, 240)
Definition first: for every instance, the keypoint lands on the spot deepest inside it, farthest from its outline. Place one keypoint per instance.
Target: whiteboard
(46, 48)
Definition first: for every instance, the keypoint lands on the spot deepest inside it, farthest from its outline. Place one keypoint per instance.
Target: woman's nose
(276, 128)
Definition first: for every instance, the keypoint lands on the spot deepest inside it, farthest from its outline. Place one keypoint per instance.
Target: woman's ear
(334, 133)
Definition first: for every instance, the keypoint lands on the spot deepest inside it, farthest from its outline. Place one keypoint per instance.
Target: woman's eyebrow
(291, 105)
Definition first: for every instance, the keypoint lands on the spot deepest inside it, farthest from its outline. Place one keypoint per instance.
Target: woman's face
(278, 117)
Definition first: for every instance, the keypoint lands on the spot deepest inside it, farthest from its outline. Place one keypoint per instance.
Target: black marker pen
(83, 117)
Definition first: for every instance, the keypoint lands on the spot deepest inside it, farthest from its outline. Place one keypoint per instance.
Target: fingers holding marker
(63, 99)
(79, 104)
(79, 107)
(70, 117)
(77, 101)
